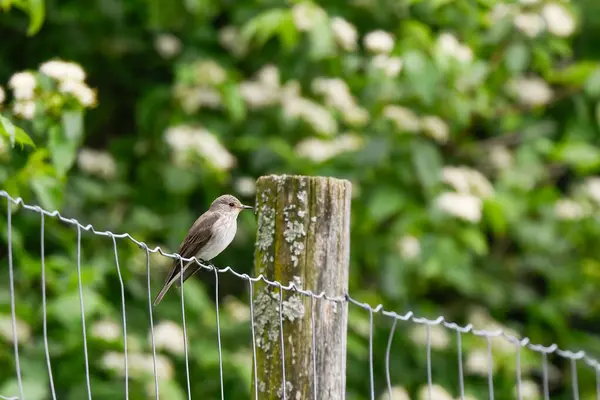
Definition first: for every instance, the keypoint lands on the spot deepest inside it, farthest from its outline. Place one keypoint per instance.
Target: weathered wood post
(303, 237)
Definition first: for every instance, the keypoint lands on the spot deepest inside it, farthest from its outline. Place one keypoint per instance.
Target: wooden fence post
(303, 237)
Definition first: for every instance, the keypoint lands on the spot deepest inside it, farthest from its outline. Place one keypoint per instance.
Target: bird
(212, 232)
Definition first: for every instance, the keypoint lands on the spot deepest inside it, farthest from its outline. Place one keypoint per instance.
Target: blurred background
(469, 130)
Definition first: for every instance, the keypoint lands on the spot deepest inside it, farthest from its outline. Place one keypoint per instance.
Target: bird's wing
(198, 235)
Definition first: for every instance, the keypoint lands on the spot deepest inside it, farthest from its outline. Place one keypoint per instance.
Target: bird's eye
(230, 204)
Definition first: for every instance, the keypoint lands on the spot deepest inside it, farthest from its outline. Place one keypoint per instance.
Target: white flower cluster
(167, 45)
(467, 180)
(407, 120)
(338, 96)
(306, 14)
(531, 92)
(390, 65)
(186, 139)
(345, 33)
(141, 365)
(168, 336)
(449, 47)
(569, 210)
(379, 42)
(409, 247)
(70, 77)
(552, 17)
(106, 330)
(438, 336)
(98, 163)
(6, 329)
(245, 186)
(397, 392)
(319, 150)
(231, 40)
(470, 187)
(263, 91)
(23, 86)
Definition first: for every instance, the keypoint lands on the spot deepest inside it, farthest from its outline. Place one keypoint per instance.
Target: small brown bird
(212, 232)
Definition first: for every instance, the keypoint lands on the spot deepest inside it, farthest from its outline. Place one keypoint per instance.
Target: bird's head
(228, 204)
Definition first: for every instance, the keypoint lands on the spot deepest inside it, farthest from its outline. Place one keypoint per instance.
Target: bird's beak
(245, 207)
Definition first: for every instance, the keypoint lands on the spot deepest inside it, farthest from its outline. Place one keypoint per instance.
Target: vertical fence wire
(372, 379)
(185, 340)
(518, 356)
(218, 331)
(13, 312)
(283, 381)
(597, 382)
(388, 351)
(254, 361)
(44, 307)
(574, 382)
(126, 359)
(490, 367)
(314, 345)
(546, 389)
(156, 389)
(428, 347)
(85, 349)
(461, 378)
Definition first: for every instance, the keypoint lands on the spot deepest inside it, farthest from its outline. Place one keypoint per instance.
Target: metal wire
(519, 395)
(428, 347)
(545, 376)
(574, 382)
(461, 376)
(283, 380)
(388, 351)
(185, 341)
(218, 332)
(126, 359)
(13, 312)
(342, 300)
(156, 389)
(490, 368)
(44, 309)
(314, 347)
(83, 329)
(253, 340)
(371, 355)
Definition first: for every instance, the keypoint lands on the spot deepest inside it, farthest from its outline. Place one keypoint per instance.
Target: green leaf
(234, 102)
(264, 26)
(62, 150)
(37, 12)
(72, 124)
(494, 215)
(48, 191)
(592, 85)
(583, 156)
(386, 202)
(14, 133)
(427, 163)
(517, 57)
(474, 240)
(575, 74)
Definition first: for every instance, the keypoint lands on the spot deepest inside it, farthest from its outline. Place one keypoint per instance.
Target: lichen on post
(303, 237)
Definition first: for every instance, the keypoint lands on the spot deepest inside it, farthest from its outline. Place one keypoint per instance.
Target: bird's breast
(223, 233)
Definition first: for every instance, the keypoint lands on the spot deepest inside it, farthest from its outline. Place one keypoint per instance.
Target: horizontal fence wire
(525, 342)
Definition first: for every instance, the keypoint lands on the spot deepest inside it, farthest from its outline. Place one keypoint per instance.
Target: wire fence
(345, 300)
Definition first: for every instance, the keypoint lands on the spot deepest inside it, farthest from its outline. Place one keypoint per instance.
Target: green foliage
(470, 131)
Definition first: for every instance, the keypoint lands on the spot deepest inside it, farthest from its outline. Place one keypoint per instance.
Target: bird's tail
(188, 270)
(163, 291)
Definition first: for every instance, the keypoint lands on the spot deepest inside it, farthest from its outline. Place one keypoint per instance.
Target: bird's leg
(207, 263)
